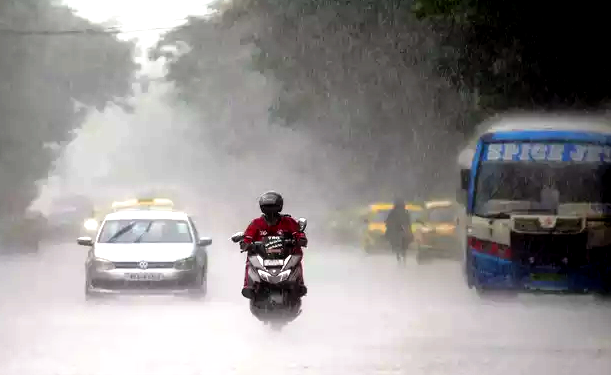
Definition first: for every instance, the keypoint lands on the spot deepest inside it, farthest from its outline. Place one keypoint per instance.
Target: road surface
(363, 315)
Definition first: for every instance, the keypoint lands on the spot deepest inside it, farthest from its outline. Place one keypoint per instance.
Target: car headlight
(426, 229)
(91, 224)
(103, 264)
(185, 264)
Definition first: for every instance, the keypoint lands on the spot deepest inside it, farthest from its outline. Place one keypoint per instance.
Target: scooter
(274, 273)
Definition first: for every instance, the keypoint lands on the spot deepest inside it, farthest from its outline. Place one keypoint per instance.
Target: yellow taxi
(92, 224)
(437, 236)
(344, 226)
(373, 238)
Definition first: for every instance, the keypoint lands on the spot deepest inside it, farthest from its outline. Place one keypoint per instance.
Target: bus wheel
(468, 271)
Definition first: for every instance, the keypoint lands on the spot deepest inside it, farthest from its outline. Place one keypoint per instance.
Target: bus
(535, 192)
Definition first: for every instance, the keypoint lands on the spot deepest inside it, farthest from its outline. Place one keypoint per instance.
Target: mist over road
(363, 315)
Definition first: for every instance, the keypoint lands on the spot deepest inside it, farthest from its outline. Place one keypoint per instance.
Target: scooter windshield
(273, 244)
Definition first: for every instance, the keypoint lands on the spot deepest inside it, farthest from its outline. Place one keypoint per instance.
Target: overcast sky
(140, 14)
(100, 141)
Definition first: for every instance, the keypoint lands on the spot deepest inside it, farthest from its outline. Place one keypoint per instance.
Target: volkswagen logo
(143, 265)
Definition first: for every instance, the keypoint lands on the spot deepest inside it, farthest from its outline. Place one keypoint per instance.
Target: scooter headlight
(284, 275)
(264, 275)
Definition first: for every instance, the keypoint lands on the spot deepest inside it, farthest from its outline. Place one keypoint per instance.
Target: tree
(516, 55)
(354, 75)
(48, 82)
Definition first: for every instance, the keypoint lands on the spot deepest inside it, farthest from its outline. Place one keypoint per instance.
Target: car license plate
(547, 277)
(143, 276)
(273, 262)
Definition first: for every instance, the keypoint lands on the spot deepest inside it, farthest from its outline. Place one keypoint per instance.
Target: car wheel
(88, 294)
(204, 282)
(200, 286)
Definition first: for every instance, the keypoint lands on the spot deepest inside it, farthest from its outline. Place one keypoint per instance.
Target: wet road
(363, 315)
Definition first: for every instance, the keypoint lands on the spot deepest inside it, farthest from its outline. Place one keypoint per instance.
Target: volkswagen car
(146, 251)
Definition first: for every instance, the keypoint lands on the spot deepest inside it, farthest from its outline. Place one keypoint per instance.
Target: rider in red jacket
(273, 223)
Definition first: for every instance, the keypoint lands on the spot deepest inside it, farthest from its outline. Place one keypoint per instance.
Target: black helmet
(399, 203)
(271, 204)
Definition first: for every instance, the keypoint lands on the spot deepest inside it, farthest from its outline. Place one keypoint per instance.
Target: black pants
(399, 243)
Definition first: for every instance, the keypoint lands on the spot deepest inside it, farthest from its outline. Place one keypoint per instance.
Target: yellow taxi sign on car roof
(141, 203)
(438, 204)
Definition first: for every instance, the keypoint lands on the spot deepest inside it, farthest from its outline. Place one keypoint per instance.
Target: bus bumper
(489, 272)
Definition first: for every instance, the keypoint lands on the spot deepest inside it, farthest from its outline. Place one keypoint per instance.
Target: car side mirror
(303, 223)
(465, 176)
(237, 237)
(84, 241)
(205, 241)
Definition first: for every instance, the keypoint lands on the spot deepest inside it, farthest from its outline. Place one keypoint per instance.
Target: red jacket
(258, 228)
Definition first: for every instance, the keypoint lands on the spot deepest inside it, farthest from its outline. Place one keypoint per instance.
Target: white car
(146, 251)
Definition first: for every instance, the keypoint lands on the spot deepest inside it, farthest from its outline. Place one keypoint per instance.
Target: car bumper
(439, 246)
(126, 281)
(494, 273)
(375, 240)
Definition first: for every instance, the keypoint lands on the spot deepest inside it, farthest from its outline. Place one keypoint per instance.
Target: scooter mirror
(237, 237)
(303, 223)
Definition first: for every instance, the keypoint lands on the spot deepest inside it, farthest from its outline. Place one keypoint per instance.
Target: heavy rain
(127, 118)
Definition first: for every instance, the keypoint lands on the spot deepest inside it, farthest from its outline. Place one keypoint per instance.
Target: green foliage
(356, 74)
(47, 84)
(520, 56)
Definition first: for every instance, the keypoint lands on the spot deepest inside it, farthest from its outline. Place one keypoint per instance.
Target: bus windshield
(524, 186)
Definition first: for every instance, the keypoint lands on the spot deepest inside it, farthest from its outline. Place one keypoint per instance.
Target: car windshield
(380, 216)
(145, 231)
(441, 215)
(509, 186)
